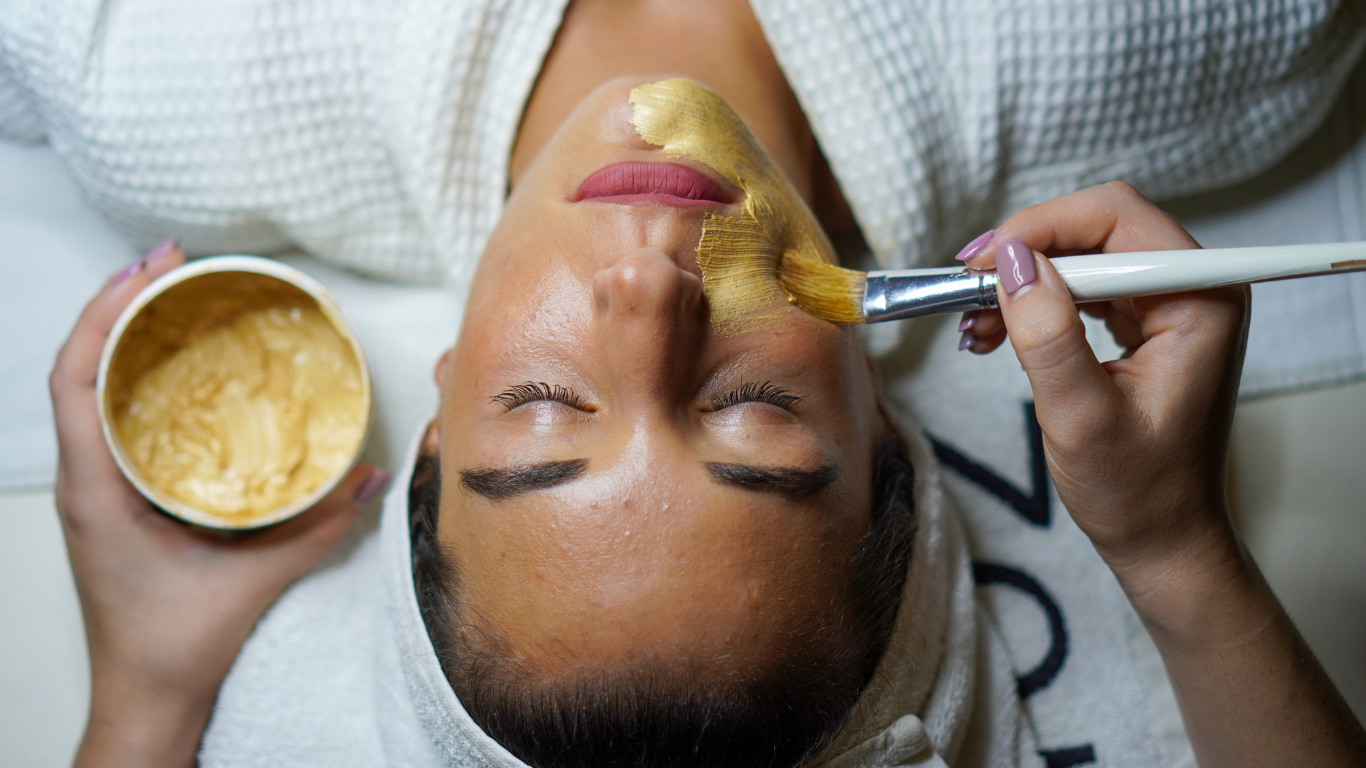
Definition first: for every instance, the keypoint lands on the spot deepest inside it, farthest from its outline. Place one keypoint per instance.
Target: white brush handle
(1120, 275)
(901, 294)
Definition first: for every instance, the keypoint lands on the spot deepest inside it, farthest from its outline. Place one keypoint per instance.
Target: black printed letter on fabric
(1038, 678)
(1068, 756)
(1034, 506)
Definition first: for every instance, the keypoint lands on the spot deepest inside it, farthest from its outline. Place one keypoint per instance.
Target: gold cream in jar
(232, 392)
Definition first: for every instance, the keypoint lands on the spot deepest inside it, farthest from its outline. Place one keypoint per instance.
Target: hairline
(878, 568)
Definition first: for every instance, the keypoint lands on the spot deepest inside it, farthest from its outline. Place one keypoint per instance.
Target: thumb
(1049, 338)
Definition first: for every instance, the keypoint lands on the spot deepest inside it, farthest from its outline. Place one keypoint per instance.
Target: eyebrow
(793, 483)
(505, 482)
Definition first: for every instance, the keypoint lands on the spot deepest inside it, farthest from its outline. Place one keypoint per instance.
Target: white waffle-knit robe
(375, 135)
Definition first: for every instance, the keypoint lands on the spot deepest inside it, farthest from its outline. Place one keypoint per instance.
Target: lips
(652, 184)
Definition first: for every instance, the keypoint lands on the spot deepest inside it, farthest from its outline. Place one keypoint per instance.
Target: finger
(80, 355)
(981, 345)
(296, 545)
(975, 245)
(321, 525)
(244, 575)
(1124, 327)
(982, 331)
(982, 322)
(968, 320)
(1110, 218)
(1049, 338)
(72, 382)
(1187, 336)
(1095, 309)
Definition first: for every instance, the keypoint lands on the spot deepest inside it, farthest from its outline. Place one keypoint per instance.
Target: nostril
(647, 281)
(648, 320)
(647, 277)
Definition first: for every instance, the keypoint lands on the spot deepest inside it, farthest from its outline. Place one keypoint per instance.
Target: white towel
(341, 672)
(376, 134)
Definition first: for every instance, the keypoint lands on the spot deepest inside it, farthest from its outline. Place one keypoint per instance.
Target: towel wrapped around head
(342, 667)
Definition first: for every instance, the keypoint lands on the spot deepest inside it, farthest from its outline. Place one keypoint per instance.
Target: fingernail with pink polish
(969, 320)
(966, 341)
(127, 272)
(160, 252)
(1015, 265)
(372, 486)
(975, 247)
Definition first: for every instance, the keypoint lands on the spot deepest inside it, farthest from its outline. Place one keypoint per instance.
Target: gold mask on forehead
(740, 257)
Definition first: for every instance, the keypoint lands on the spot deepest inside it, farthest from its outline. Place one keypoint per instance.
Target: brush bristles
(829, 292)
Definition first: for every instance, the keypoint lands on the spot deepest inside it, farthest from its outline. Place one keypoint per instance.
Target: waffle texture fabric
(376, 135)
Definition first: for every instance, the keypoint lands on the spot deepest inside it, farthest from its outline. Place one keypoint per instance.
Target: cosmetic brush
(847, 296)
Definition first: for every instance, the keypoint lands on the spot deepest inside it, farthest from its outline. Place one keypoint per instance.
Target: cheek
(520, 318)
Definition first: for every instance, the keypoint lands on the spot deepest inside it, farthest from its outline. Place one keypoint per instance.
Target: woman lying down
(628, 539)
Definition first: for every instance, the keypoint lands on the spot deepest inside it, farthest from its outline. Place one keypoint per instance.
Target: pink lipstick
(636, 183)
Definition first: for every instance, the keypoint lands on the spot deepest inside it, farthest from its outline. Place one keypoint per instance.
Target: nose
(650, 319)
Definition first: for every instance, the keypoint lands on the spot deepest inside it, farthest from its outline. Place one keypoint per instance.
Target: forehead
(642, 560)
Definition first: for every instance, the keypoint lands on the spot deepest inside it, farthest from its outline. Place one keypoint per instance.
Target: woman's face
(619, 481)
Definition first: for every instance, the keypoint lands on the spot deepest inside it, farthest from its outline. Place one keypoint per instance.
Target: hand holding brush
(1137, 450)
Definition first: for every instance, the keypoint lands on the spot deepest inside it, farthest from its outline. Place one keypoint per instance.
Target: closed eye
(754, 392)
(539, 391)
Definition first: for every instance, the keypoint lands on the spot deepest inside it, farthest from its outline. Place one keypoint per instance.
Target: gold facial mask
(740, 257)
(235, 395)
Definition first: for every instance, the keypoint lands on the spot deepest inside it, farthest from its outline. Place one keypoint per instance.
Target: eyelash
(536, 391)
(754, 392)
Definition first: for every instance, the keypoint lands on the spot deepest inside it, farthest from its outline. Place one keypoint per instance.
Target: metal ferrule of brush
(893, 295)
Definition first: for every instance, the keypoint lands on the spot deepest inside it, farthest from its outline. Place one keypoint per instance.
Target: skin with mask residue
(739, 254)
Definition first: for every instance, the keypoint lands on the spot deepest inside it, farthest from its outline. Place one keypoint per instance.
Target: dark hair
(647, 716)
